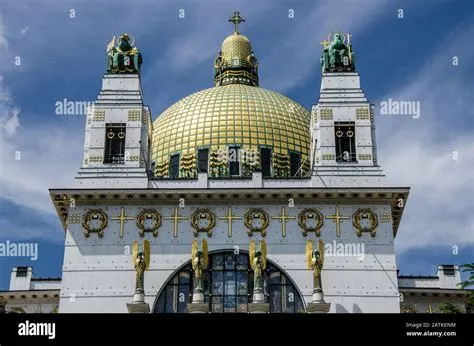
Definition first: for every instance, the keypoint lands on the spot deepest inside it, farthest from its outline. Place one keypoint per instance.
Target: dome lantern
(236, 63)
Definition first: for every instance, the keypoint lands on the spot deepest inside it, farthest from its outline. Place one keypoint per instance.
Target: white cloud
(293, 60)
(292, 53)
(49, 156)
(3, 38)
(419, 152)
(201, 42)
(9, 121)
(34, 159)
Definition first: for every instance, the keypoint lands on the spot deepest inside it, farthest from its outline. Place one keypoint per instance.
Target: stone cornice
(62, 198)
(31, 294)
(432, 291)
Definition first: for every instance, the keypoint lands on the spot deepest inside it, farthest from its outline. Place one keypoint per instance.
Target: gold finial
(325, 43)
(236, 19)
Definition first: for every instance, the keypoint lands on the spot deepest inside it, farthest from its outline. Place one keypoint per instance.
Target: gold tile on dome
(234, 108)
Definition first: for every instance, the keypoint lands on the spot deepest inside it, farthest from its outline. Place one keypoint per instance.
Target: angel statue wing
(205, 257)
(194, 251)
(111, 45)
(263, 250)
(321, 250)
(146, 252)
(252, 253)
(135, 251)
(309, 253)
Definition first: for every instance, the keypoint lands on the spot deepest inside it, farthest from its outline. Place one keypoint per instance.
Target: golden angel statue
(199, 260)
(141, 261)
(258, 263)
(315, 260)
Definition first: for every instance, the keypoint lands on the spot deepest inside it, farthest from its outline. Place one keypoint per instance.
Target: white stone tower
(344, 156)
(343, 143)
(119, 126)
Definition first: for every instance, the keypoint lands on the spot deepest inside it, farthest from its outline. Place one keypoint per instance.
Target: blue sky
(406, 59)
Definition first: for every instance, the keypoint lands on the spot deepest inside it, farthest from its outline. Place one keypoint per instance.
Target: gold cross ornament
(337, 219)
(236, 19)
(283, 218)
(229, 219)
(175, 218)
(122, 218)
(325, 43)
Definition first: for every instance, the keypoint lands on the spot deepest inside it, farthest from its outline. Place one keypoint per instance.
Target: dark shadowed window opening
(266, 156)
(21, 271)
(114, 143)
(345, 142)
(295, 162)
(448, 270)
(203, 158)
(234, 164)
(174, 166)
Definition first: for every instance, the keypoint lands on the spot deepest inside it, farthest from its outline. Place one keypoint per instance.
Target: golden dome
(236, 49)
(269, 129)
(232, 115)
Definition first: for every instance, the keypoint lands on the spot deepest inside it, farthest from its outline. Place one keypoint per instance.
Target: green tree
(469, 267)
(449, 308)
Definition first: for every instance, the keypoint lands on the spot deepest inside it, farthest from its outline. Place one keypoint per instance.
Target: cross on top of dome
(236, 62)
(236, 19)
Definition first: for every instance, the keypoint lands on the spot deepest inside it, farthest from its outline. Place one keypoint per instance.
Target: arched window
(229, 287)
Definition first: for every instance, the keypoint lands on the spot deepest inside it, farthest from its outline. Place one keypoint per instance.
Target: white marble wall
(98, 274)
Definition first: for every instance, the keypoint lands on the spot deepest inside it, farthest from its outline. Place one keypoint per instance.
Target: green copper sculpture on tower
(337, 55)
(123, 56)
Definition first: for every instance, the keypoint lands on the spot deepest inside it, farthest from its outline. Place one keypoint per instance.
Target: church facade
(235, 199)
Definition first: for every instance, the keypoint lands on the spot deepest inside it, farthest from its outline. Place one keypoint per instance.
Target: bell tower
(119, 126)
(343, 145)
